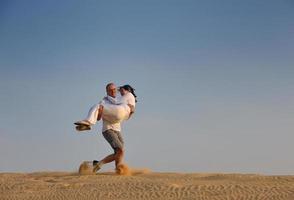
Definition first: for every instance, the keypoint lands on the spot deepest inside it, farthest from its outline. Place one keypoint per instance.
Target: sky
(214, 80)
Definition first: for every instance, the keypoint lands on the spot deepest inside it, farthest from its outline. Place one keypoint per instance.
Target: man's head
(111, 90)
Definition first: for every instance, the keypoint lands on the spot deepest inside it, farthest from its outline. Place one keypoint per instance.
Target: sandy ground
(144, 185)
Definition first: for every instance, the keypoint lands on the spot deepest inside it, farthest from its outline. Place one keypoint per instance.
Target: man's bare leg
(121, 168)
(117, 157)
(105, 160)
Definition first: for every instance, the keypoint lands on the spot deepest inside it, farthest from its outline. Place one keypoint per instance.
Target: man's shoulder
(104, 100)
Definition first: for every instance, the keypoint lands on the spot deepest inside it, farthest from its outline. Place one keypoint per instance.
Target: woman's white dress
(114, 110)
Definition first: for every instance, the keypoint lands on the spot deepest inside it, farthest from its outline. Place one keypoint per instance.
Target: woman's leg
(93, 114)
(111, 112)
(91, 118)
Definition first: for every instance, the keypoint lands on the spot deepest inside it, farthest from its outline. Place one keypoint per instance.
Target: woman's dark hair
(130, 89)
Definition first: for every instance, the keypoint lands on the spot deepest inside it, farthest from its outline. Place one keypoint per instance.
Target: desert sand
(142, 184)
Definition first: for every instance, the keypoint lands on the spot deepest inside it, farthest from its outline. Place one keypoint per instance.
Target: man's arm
(100, 112)
(132, 110)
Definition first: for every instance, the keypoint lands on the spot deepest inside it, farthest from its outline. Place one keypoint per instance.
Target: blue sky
(214, 81)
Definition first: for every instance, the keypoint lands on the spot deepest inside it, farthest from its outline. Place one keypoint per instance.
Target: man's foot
(123, 169)
(83, 127)
(96, 166)
(83, 122)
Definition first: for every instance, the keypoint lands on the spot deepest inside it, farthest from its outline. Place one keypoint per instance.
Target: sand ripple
(143, 185)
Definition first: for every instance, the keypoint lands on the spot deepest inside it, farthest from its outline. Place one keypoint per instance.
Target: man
(111, 132)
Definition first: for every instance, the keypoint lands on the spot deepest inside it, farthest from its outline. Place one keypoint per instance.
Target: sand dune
(142, 185)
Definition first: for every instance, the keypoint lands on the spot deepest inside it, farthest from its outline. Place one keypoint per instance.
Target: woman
(121, 109)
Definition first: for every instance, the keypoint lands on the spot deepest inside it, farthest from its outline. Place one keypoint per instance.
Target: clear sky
(214, 79)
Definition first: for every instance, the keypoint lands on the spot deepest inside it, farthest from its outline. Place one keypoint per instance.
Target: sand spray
(86, 168)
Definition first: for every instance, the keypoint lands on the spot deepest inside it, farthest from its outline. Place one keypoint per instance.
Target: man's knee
(118, 152)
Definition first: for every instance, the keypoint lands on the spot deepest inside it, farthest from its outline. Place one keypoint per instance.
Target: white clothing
(120, 111)
(93, 114)
(108, 123)
(115, 110)
(94, 110)
(128, 98)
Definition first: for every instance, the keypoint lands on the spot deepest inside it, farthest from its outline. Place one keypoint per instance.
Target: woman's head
(127, 88)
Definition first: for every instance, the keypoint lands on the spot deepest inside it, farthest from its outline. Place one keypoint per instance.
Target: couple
(112, 110)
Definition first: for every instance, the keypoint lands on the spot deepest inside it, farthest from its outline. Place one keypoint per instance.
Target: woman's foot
(83, 122)
(83, 127)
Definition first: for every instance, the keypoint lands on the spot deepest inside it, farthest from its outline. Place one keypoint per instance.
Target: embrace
(112, 110)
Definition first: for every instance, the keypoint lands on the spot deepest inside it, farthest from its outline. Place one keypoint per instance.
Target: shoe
(96, 166)
(83, 122)
(83, 127)
(95, 162)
